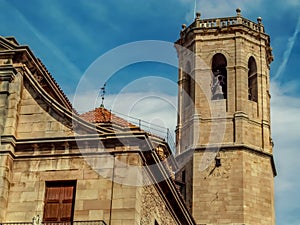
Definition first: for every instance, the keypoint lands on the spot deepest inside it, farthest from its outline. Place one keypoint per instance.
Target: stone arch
(252, 80)
(228, 56)
(188, 84)
(219, 77)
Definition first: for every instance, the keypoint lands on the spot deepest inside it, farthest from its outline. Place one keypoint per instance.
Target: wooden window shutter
(66, 203)
(59, 201)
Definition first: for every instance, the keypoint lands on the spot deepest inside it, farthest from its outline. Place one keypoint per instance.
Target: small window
(219, 77)
(183, 176)
(252, 80)
(155, 222)
(188, 85)
(59, 201)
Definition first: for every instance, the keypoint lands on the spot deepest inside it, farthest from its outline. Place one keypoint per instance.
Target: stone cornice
(7, 73)
(74, 120)
(22, 54)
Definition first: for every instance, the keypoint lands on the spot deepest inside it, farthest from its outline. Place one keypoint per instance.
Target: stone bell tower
(223, 133)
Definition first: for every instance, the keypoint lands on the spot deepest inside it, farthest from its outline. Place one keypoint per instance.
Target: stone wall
(97, 197)
(93, 190)
(38, 119)
(27, 188)
(154, 208)
(258, 185)
(240, 190)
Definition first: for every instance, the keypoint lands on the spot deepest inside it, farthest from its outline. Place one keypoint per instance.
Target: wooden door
(59, 201)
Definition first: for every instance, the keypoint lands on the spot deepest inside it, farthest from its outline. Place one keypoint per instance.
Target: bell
(217, 91)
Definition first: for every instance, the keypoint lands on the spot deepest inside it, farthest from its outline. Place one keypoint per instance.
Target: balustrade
(89, 222)
(223, 23)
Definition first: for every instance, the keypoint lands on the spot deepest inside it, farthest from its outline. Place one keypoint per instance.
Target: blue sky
(68, 36)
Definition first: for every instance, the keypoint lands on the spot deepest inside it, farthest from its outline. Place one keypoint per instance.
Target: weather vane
(102, 93)
(195, 7)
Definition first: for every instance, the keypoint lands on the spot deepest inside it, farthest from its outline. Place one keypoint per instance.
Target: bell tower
(223, 133)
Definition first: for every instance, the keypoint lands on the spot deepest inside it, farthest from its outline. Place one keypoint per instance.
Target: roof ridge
(56, 84)
(103, 115)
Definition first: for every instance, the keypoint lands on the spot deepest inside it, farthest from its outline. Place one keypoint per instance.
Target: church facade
(59, 167)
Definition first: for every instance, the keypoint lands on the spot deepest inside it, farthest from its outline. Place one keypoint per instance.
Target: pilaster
(6, 162)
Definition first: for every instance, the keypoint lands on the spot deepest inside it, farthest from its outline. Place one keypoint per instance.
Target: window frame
(62, 185)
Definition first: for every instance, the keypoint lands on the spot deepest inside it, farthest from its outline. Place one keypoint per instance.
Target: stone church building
(60, 167)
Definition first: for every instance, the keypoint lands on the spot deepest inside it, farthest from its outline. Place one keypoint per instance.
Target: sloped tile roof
(69, 104)
(104, 116)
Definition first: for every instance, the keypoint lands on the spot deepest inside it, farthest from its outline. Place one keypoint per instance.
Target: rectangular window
(59, 201)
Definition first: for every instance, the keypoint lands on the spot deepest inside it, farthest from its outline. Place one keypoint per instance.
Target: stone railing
(17, 223)
(223, 23)
(34, 222)
(217, 22)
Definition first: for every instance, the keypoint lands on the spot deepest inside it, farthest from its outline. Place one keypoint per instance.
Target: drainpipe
(112, 189)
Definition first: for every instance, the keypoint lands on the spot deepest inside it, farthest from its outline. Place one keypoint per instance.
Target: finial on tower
(198, 14)
(102, 93)
(238, 11)
(259, 20)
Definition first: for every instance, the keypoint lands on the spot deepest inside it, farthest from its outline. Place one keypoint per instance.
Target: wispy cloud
(51, 48)
(216, 8)
(293, 3)
(285, 132)
(158, 109)
(67, 19)
(287, 52)
(101, 13)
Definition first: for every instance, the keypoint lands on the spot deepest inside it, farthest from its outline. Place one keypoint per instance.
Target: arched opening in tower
(188, 85)
(252, 79)
(219, 77)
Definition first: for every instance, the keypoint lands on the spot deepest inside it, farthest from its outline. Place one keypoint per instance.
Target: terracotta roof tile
(102, 115)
